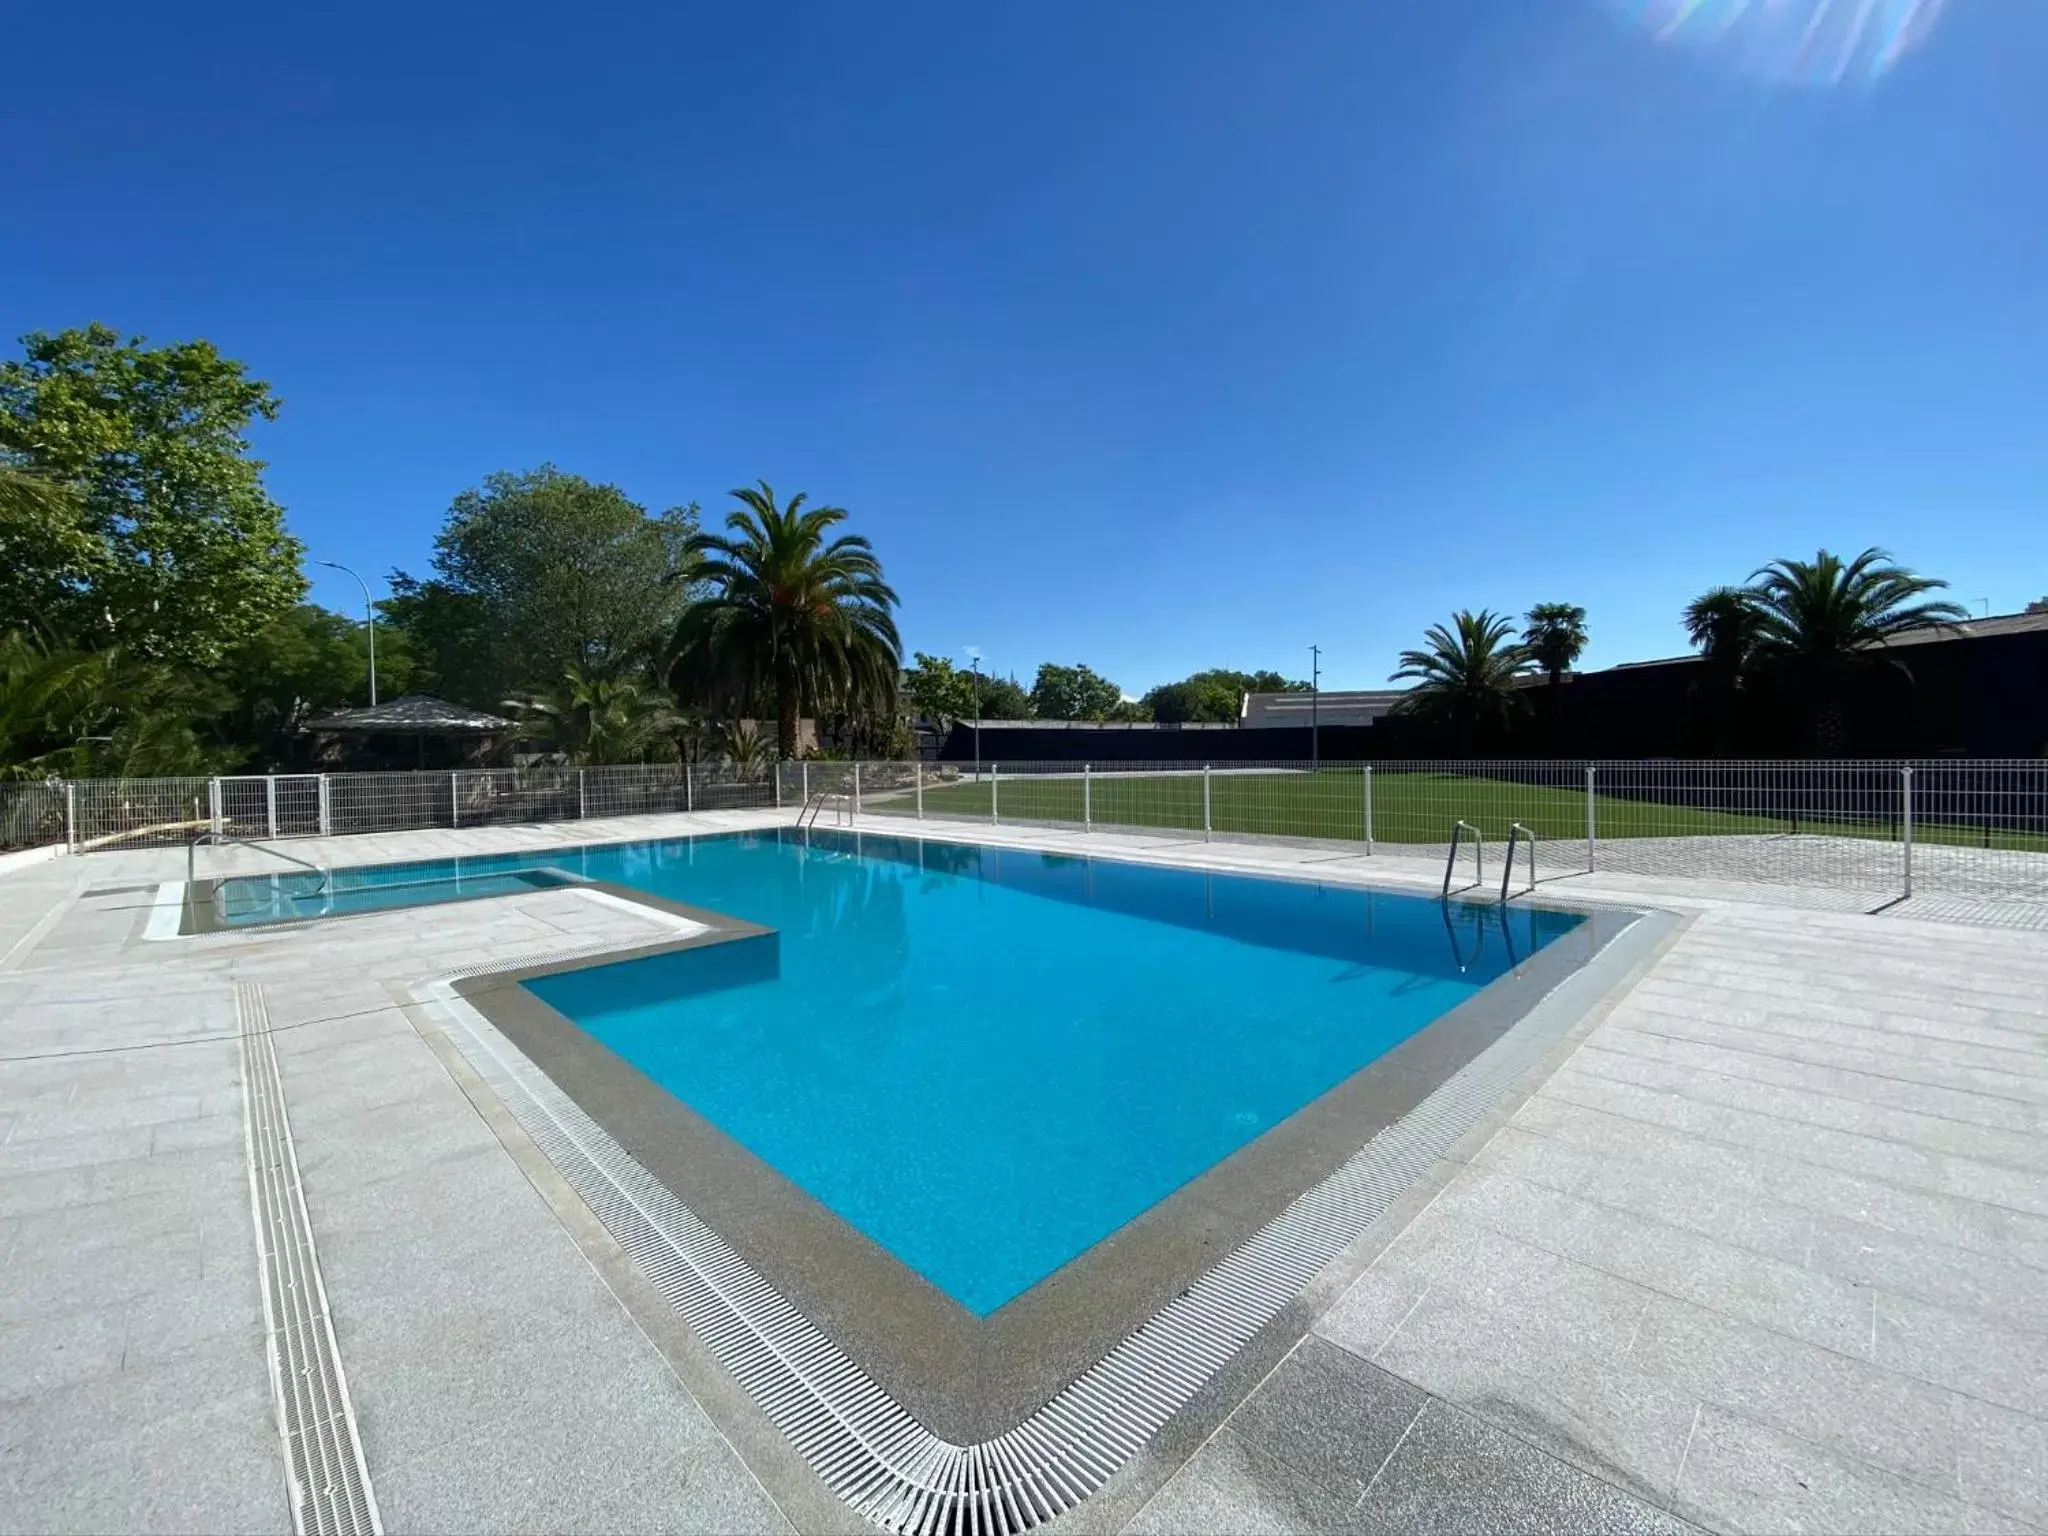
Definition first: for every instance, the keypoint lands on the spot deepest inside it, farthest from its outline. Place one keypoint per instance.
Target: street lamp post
(974, 656)
(369, 615)
(1315, 695)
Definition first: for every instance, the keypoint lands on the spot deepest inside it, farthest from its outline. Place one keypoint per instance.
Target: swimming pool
(989, 1060)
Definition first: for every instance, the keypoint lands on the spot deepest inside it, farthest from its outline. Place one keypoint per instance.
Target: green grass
(1406, 808)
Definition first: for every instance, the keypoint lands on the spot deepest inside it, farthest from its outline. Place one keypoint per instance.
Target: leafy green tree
(1215, 695)
(794, 612)
(938, 691)
(593, 719)
(1554, 637)
(165, 542)
(537, 572)
(742, 748)
(307, 661)
(1819, 621)
(1722, 625)
(1466, 677)
(1073, 693)
(1002, 698)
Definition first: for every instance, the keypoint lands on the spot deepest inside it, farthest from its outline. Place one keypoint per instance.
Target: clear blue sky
(1151, 336)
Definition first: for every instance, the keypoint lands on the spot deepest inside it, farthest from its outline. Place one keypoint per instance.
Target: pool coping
(992, 1469)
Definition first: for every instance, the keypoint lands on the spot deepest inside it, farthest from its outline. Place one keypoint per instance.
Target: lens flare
(1810, 42)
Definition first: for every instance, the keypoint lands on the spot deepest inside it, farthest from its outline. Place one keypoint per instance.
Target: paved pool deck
(1762, 1246)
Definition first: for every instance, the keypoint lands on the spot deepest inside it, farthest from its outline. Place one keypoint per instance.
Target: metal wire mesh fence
(1976, 829)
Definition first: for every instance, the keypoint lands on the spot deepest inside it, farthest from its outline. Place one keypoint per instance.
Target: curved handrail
(1517, 833)
(192, 856)
(1458, 830)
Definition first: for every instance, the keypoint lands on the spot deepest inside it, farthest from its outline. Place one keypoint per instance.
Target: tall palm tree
(793, 612)
(1467, 676)
(1818, 621)
(1554, 635)
(1722, 623)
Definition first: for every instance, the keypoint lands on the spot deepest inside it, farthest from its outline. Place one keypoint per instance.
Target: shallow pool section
(989, 1060)
(253, 900)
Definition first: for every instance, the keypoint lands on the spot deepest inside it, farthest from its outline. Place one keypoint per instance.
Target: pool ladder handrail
(815, 807)
(192, 856)
(1458, 831)
(1517, 833)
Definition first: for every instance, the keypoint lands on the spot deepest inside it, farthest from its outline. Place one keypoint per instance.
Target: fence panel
(32, 815)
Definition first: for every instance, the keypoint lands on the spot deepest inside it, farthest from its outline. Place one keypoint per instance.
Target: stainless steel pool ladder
(1458, 831)
(192, 856)
(815, 807)
(1517, 833)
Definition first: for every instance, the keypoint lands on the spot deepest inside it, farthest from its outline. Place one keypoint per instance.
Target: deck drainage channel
(859, 1440)
(326, 1478)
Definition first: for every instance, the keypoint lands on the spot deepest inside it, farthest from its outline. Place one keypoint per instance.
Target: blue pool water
(989, 1059)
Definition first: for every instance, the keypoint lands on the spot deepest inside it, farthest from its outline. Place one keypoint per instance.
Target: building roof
(414, 714)
(1330, 707)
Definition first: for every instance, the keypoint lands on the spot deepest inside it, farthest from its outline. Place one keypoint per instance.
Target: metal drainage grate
(326, 1478)
(864, 1445)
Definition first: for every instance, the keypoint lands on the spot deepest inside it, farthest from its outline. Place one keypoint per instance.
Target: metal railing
(1971, 829)
(217, 838)
(1517, 833)
(1459, 829)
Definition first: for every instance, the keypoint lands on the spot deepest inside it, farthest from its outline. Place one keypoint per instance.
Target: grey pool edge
(968, 1378)
(783, 1390)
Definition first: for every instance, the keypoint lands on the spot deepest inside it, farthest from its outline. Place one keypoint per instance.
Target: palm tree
(1554, 637)
(1722, 623)
(1467, 676)
(594, 719)
(1818, 620)
(792, 612)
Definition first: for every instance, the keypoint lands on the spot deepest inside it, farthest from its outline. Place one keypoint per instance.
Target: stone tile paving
(1768, 1252)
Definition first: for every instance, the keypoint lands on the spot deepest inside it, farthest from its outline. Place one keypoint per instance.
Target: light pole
(974, 657)
(1315, 694)
(369, 615)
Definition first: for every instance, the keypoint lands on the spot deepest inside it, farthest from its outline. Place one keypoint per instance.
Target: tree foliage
(146, 525)
(1073, 693)
(1215, 695)
(1466, 676)
(936, 690)
(594, 719)
(537, 572)
(306, 662)
(794, 612)
(1554, 635)
(1818, 621)
(1003, 698)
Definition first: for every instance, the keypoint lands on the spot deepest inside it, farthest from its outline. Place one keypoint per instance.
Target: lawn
(1406, 808)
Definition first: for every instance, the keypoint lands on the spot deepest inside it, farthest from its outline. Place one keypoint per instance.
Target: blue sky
(1155, 337)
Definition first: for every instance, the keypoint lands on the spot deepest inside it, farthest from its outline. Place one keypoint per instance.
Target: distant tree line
(152, 613)
(1790, 656)
(938, 691)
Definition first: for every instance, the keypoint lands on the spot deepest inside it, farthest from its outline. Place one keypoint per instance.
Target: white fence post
(1205, 802)
(71, 818)
(1368, 809)
(213, 804)
(1906, 819)
(689, 789)
(455, 798)
(1591, 820)
(918, 769)
(582, 797)
(994, 774)
(778, 783)
(806, 780)
(856, 788)
(1087, 797)
(270, 802)
(326, 809)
